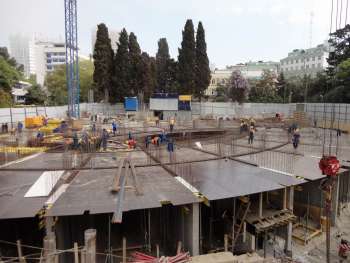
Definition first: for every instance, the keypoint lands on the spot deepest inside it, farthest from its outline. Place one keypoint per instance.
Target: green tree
(148, 75)
(121, 76)
(187, 60)
(166, 68)
(103, 63)
(136, 65)
(202, 63)
(36, 95)
(86, 71)
(8, 75)
(237, 87)
(265, 89)
(221, 93)
(56, 84)
(282, 87)
(5, 99)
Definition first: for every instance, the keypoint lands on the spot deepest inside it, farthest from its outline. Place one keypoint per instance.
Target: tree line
(129, 71)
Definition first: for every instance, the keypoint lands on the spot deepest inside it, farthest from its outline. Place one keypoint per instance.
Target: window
(48, 61)
(307, 59)
(286, 69)
(313, 58)
(49, 67)
(48, 55)
(297, 61)
(62, 54)
(62, 60)
(223, 81)
(319, 57)
(313, 65)
(213, 81)
(55, 60)
(319, 65)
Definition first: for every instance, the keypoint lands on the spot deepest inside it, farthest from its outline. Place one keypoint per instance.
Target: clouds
(236, 30)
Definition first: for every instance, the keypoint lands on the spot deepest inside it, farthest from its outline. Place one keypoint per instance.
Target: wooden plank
(134, 176)
(115, 184)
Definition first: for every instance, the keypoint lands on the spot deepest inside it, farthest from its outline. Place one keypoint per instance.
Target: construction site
(127, 186)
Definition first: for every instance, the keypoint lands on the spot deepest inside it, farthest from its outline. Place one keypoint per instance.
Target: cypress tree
(148, 75)
(121, 77)
(202, 63)
(103, 63)
(187, 60)
(136, 65)
(166, 68)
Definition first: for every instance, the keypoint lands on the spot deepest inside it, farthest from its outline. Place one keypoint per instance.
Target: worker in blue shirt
(104, 138)
(19, 127)
(114, 128)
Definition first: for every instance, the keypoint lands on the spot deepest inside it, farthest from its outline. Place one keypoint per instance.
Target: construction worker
(251, 135)
(338, 132)
(104, 138)
(170, 146)
(147, 141)
(19, 127)
(296, 138)
(129, 135)
(93, 128)
(75, 141)
(172, 123)
(344, 247)
(114, 127)
(242, 126)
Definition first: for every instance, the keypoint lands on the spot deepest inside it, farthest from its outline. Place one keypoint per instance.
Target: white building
(250, 70)
(19, 91)
(113, 35)
(48, 55)
(38, 57)
(19, 49)
(302, 62)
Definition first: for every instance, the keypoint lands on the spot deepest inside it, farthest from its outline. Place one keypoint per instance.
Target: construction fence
(314, 111)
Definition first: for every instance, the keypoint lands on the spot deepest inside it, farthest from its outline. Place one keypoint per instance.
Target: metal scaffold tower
(72, 60)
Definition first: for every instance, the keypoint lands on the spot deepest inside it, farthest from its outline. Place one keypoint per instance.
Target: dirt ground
(315, 250)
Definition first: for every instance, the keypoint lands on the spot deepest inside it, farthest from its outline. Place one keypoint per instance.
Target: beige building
(250, 70)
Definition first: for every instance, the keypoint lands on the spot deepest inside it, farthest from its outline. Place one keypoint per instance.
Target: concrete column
(261, 205)
(335, 201)
(252, 242)
(288, 244)
(90, 245)
(192, 230)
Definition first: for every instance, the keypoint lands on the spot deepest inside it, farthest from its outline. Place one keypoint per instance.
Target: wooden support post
(244, 232)
(261, 205)
(179, 245)
(76, 253)
(20, 253)
(50, 249)
(157, 248)
(83, 255)
(90, 245)
(124, 250)
(226, 242)
(285, 198)
(265, 243)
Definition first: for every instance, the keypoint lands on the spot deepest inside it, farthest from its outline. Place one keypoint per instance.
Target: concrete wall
(19, 113)
(230, 109)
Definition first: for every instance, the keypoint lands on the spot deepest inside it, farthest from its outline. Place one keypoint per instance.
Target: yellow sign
(185, 97)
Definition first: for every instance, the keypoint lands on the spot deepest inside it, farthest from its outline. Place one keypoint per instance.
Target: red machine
(329, 165)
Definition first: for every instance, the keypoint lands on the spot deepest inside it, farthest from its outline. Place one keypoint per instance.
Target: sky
(237, 31)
